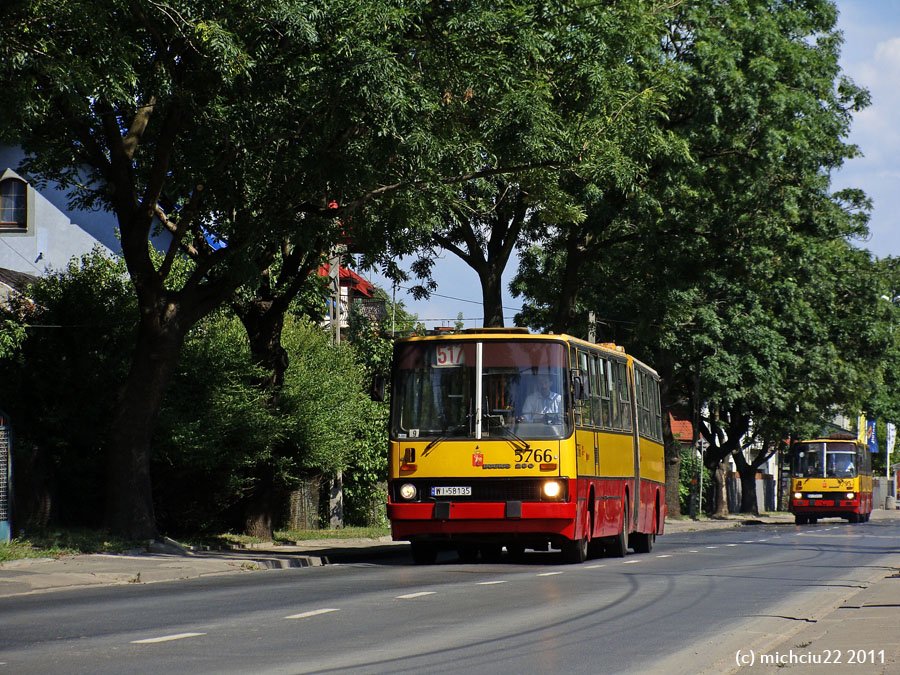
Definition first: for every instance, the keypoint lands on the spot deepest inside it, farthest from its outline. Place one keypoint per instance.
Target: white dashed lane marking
(315, 612)
(166, 638)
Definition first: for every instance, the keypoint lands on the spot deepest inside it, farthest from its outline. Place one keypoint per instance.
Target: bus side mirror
(578, 388)
(379, 382)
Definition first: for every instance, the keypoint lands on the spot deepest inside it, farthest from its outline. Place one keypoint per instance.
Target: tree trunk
(260, 510)
(264, 322)
(747, 472)
(129, 508)
(720, 471)
(492, 296)
(566, 297)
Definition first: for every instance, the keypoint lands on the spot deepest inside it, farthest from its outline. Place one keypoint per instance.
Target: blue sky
(870, 57)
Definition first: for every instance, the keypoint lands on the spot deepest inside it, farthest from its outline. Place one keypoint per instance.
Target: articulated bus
(500, 438)
(831, 477)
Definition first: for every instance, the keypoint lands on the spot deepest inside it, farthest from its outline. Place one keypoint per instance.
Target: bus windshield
(522, 387)
(825, 460)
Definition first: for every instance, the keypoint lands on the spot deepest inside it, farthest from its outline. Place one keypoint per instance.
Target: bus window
(434, 389)
(583, 407)
(624, 397)
(596, 400)
(808, 461)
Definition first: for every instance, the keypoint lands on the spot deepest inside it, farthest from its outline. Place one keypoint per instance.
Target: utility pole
(336, 493)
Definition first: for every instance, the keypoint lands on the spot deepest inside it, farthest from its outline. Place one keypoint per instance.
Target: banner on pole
(871, 438)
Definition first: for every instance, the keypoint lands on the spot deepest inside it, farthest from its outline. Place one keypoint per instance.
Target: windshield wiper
(433, 443)
(515, 436)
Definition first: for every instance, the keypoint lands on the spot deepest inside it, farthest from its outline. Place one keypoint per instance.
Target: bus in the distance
(831, 478)
(503, 439)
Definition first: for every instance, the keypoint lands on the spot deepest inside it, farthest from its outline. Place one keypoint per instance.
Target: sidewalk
(168, 561)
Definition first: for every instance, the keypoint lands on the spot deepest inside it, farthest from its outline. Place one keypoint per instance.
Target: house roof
(17, 280)
(682, 428)
(350, 279)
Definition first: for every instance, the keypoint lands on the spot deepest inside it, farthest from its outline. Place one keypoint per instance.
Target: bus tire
(619, 546)
(575, 551)
(642, 542)
(423, 553)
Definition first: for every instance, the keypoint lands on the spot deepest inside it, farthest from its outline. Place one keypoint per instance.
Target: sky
(870, 57)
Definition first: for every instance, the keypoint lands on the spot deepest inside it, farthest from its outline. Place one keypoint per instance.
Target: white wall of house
(54, 233)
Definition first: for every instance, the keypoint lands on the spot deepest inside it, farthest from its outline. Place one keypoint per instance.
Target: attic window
(13, 209)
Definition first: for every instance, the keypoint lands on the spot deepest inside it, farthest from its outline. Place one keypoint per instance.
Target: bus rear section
(831, 478)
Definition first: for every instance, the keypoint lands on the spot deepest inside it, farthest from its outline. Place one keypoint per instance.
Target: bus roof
(517, 333)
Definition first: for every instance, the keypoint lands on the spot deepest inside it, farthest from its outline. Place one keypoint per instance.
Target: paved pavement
(864, 628)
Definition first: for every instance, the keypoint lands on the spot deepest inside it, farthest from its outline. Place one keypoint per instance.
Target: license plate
(451, 491)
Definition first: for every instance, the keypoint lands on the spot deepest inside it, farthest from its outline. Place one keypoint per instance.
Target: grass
(287, 536)
(58, 542)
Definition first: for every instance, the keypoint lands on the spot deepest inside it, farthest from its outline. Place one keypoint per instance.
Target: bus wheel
(619, 546)
(800, 520)
(423, 553)
(642, 542)
(577, 551)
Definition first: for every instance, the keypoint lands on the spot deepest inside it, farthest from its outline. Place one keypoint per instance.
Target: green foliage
(57, 387)
(689, 479)
(365, 478)
(12, 335)
(219, 430)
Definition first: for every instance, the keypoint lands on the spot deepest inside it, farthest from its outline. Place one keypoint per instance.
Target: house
(39, 232)
(355, 289)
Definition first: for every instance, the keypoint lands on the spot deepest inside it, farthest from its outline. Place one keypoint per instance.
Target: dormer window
(13, 204)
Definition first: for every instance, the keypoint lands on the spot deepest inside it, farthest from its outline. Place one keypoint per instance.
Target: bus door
(628, 397)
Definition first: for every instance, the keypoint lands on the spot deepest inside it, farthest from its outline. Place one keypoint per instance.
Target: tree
(226, 128)
(682, 262)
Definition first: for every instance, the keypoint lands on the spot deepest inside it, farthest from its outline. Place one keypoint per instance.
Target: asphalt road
(684, 608)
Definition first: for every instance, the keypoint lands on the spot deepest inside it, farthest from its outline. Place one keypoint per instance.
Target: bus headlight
(798, 495)
(408, 491)
(552, 489)
(851, 495)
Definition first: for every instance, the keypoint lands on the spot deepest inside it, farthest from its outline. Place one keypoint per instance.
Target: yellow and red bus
(500, 438)
(831, 478)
